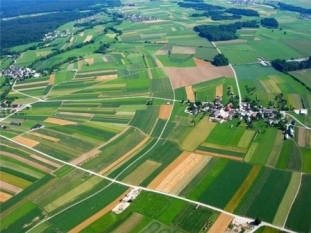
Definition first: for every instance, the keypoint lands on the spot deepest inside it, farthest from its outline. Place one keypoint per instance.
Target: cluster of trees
(284, 6)
(225, 17)
(269, 22)
(245, 12)
(223, 32)
(285, 66)
(103, 48)
(220, 60)
(200, 6)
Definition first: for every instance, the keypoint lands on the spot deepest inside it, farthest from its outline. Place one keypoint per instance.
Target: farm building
(36, 126)
(15, 123)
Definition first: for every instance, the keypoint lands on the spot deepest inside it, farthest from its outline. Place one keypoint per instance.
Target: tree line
(285, 66)
(284, 6)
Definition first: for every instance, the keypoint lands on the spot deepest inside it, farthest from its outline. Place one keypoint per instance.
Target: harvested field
(302, 135)
(81, 34)
(52, 139)
(25, 141)
(88, 38)
(106, 77)
(4, 196)
(238, 196)
(165, 111)
(257, 38)
(161, 52)
(124, 157)
(219, 155)
(221, 223)
(85, 156)
(59, 121)
(158, 180)
(89, 61)
(9, 187)
(198, 134)
(219, 90)
(202, 63)
(71, 39)
(183, 50)
(26, 161)
(122, 61)
(159, 63)
(173, 29)
(141, 172)
(99, 214)
(83, 114)
(190, 94)
(129, 223)
(52, 79)
(178, 173)
(27, 84)
(104, 59)
(44, 160)
(188, 76)
(246, 138)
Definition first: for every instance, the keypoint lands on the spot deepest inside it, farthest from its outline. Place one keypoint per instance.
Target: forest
(284, 6)
(223, 32)
(269, 22)
(285, 66)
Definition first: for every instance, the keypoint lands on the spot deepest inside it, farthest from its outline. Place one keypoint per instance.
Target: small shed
(15, 123)
(36, 126)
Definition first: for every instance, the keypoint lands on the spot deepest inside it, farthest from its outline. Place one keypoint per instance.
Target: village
(19, 73)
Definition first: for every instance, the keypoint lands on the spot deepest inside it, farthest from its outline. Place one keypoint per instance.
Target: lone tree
(220, 60)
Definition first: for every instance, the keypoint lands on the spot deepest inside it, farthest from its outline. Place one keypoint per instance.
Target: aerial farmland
(122, 120)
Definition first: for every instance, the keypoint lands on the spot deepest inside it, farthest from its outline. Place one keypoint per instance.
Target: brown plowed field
(181, 77)
(9, 187)
(52, 79)
(99, 214)
(165, 111)
(189, 92)
(4, 196)
(302, 135)
(221, 223)
(202, 63)
(89, 60)
(59, 121)
(25, 141)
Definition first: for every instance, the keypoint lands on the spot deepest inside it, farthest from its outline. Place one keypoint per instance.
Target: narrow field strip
(49, 138)
(288, 198)
(26, 161)
(251, 152)
(276, 150)
(165, 111)
(190, 94)
(59, 121)
(219, 155)
(125, 156)
(238, 196)
(44, 160)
